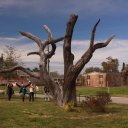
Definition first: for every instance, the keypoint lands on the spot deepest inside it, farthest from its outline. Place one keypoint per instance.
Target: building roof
(95, 73)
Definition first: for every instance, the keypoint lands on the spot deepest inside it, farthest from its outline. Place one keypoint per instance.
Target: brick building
(99, 79)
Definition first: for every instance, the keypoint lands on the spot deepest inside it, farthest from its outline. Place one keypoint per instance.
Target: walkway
(118, 100)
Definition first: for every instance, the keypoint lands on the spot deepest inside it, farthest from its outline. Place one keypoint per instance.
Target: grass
(40, 114)
(119, 91)
(114, 91)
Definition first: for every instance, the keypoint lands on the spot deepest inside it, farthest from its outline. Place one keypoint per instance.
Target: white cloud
(117, 49)
(9, 41)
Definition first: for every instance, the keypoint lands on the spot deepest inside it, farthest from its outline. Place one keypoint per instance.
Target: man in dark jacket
(10, 91)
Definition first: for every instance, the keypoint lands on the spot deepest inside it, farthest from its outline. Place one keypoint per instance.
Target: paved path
(118, 100)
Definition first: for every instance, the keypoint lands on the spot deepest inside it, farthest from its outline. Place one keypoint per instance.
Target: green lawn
(114, 91)
(40, 114)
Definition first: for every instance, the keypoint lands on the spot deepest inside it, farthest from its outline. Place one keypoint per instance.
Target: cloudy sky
(31, 15)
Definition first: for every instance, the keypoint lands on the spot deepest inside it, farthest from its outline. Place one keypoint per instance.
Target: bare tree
(124, 73)
(71, 71)
(10, 58)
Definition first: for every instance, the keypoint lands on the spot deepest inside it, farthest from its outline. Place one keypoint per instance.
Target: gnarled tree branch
(48, 31)
(53, 44)
(88, 54)
(20, 68)
(101, 45)
(32, 53)
(53, 41)
(52, 52)
(33, 37)
(93, 34)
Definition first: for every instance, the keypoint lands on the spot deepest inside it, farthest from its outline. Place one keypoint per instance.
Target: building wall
(95, 79)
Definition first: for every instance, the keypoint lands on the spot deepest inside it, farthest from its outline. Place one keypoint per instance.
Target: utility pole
(48, 61)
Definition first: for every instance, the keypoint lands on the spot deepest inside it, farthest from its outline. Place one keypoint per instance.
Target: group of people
(23, 90)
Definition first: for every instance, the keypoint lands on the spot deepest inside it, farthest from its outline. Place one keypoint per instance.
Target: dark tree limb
(82, 61)
(33, 37)
(32, 53)
(93, 34)
(20, 68)
(101, 45)
(52, 42)
(69, 88)
(57, 40)
(52, 52)
(68, 56)
(88, 54)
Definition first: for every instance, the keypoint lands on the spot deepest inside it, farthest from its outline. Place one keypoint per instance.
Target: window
(88, 77)
(100, 82)
(100, 76)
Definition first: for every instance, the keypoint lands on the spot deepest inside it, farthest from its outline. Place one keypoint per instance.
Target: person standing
(10, 91)
(31, 92)
(36, 90)
(23, 92)
(46, 93)
(23, 89)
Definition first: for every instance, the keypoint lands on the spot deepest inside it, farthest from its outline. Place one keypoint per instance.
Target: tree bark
(69, 92)
(71, 71)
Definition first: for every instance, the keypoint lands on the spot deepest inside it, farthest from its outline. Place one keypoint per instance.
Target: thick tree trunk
(72, 71)
(54, 88)
(69, 94)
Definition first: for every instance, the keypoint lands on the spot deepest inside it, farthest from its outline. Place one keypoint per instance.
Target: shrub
(97, 103)
(69, 107)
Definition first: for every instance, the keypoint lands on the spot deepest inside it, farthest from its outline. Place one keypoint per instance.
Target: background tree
(125, 73)
(93, 69)
(11, 58)
(1, 61)
(71, 71)
(111, 65)
(36, 69)
(29, 69)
